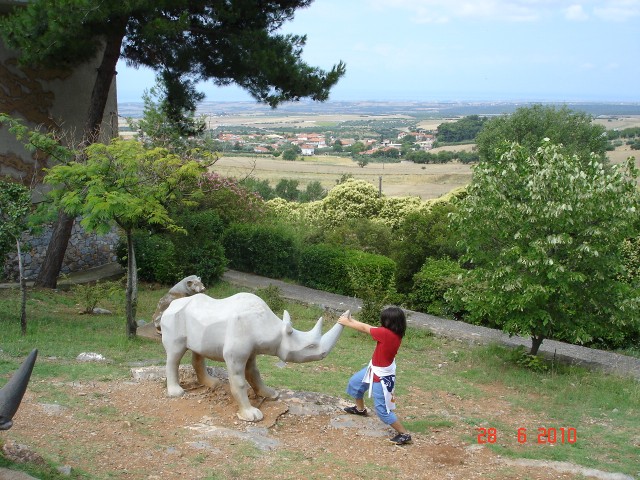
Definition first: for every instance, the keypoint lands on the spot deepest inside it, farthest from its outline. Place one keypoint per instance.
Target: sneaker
(354, 411)
(401, 439)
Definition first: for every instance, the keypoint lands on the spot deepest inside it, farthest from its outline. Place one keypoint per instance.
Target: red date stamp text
(550, 436)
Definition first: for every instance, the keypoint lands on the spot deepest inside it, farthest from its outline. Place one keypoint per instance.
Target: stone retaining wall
(85, 250)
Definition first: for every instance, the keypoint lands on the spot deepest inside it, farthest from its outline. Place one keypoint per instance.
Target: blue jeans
(356, 388)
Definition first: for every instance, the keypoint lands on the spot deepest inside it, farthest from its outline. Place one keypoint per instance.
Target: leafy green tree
(289, 154)
(261, 187)
(15, 205)
(529, 126)
(161, 127)
(362, 160)
(129, 186)
(288, 189)
(314, 191)
(436, 277)
(543, 234)
(420, 236)
(184, 41)
(357, 148)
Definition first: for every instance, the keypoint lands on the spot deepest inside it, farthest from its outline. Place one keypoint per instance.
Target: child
(379, 376)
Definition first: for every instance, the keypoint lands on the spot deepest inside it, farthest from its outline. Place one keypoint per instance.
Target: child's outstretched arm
(346, 320)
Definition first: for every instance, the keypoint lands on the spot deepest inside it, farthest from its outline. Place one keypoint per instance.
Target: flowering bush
(351, 199)
(395, 209)
(230, 200)
(356, 199)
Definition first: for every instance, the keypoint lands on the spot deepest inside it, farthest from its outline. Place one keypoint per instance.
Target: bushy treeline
(461, 130)
(287, 189)
(630, 136)
(443, 156)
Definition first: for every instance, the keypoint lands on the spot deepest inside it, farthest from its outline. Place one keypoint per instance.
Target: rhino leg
(173, 377)
(255, 380)
(204, 378)
(236, 365)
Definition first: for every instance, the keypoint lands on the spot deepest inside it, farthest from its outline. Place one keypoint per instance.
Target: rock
(64, 470)
(6, 474)
(90, 357)
(101, 311)
(21, 454)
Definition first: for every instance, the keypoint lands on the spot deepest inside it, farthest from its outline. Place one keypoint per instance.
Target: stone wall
(85, 250)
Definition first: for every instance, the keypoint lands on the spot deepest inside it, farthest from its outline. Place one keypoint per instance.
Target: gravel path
(574, 354)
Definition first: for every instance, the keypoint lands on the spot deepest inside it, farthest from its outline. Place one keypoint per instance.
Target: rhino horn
(316, 331)
(329, 339)
(13, 391)
(286, 320)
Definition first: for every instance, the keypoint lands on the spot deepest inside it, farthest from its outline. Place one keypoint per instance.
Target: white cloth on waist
(387, 377)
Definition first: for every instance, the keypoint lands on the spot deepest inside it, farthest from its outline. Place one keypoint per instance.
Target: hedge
(326, 267)
(268, 250)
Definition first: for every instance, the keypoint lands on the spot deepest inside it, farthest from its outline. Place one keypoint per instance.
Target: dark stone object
(13, 391)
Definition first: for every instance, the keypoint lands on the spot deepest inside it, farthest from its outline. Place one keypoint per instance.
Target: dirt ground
(131, 430)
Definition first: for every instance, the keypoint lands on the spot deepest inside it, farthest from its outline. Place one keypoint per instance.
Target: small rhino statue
(184, 288)
(236, 329)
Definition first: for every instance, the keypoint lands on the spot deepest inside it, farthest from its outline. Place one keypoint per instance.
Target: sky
(459, 50)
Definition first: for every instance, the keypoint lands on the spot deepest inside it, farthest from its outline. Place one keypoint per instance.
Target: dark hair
(394, 319)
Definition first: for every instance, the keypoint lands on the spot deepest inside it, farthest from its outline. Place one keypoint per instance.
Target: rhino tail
(13, 391)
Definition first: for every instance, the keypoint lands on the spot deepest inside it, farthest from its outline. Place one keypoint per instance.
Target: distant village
(312, 143)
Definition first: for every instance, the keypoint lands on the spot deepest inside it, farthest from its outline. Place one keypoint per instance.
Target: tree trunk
(132, 287)
(23, 292)
(52, 263)
(104, 79)
(535, 344)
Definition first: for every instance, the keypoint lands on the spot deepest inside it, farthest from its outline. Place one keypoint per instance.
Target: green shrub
(200, 251)
(272, 295)
(326, 267)
(269, 250)
(422, 235)
(166, 258)
(435, 278)
(155, 257)
(375, 288)
(88, 295)
(360, 234)
(323, 267)
(522, 358)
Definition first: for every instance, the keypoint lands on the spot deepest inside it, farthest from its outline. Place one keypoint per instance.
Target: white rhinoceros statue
(236, 329)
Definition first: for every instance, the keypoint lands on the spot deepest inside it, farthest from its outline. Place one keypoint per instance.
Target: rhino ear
(286, 320)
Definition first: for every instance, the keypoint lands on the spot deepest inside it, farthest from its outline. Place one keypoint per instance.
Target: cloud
(575, 13)
(443, 11)
(618, 10)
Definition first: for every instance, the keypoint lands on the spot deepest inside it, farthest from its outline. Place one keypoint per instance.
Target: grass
(471, 386)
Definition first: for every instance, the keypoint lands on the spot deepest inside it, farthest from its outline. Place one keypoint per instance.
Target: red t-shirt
(386, 348)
